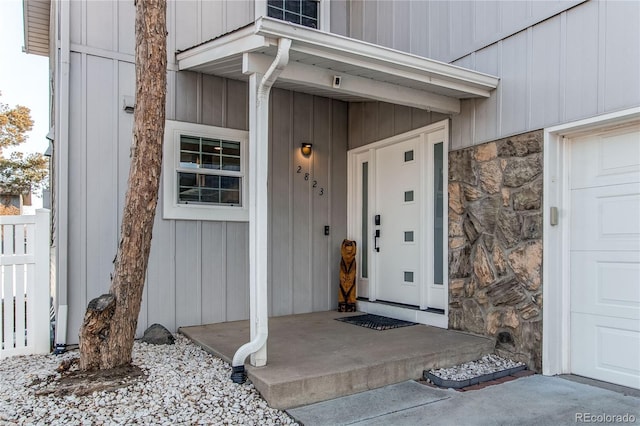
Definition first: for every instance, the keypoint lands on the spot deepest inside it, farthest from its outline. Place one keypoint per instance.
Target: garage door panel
(606, 349)
(608, 158)
(605, 255)
(606, 283)
(606, 218)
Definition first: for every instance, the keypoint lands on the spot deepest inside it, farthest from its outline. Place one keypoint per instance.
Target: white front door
(397, 215)
(400, 244)
(605, 256)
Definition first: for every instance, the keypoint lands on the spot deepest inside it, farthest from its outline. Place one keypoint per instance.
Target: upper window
(303, 12)
(205, 172)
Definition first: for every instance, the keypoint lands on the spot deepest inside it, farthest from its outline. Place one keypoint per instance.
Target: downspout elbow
(277, 66)
(238, 374)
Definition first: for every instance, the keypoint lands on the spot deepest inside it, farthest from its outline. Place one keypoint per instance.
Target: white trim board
(556, 239)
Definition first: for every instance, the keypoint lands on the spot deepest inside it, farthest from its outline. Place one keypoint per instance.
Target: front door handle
(375, 240)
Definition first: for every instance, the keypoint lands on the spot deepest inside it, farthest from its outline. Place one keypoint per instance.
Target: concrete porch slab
(312, 357)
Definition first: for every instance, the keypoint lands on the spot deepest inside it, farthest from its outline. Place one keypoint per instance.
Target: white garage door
(605, 256)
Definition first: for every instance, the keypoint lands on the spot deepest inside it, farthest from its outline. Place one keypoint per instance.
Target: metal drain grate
(376, 322)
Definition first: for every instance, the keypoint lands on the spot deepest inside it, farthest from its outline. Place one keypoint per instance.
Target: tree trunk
(95, 327)
(115, 342)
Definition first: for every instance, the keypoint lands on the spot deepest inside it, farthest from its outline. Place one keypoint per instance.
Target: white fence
(24, 283)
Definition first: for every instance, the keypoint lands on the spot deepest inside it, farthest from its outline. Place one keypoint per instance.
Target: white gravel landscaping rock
(486, 365)
(184, 386)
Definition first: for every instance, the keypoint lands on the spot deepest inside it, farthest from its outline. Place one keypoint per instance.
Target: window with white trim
(205, 172)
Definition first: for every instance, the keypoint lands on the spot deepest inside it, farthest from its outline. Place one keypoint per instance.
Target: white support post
(41, 293)
(258, 215)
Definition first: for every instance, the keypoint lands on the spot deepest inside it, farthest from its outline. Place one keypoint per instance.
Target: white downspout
(258, 213)
(62, 173)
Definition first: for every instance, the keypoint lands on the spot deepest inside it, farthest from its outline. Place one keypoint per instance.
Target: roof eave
(437, 77)
(36, 17)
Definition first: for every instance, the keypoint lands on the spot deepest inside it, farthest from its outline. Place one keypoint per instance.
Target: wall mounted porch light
(306, 149)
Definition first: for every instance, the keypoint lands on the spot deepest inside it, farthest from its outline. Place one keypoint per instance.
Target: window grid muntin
(209, 153)
(214, 182)
(302, 12)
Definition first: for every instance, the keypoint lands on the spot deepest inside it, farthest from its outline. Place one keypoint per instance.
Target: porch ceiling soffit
(368, 72)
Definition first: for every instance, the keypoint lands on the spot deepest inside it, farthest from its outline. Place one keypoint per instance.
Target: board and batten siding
(446, 30)
(198, 270)
(557, 61)
(304, 263)
(373, 121)
(108, 26)
(580, 63)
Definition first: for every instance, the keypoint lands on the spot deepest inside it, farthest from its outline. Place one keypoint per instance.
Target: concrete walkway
(534, 400)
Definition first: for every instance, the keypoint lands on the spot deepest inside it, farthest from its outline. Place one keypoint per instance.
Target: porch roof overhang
(367, 71)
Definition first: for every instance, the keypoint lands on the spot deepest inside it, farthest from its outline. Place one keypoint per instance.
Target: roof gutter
(440, 72)
(258, 208)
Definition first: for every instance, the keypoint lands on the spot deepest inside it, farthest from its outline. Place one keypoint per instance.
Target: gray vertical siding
(557, 61)
(301, 226)
(338, 191)
(373, 121)
(303, 260)
(109, 25)
(446, 30)
(580, 63)
(339, 18)
(280, 238)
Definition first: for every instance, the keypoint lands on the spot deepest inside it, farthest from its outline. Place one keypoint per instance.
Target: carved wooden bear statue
(347, 293)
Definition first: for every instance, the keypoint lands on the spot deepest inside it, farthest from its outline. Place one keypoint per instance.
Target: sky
(24, 79)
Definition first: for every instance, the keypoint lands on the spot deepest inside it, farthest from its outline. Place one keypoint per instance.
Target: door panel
(398, 193)
(606, 348)
(606, 217)
(606, 283)
(608, 158)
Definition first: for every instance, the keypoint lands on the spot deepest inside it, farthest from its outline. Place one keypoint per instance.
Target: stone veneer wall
(495, 244)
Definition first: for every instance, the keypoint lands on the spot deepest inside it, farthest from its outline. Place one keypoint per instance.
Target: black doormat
(375, 322)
